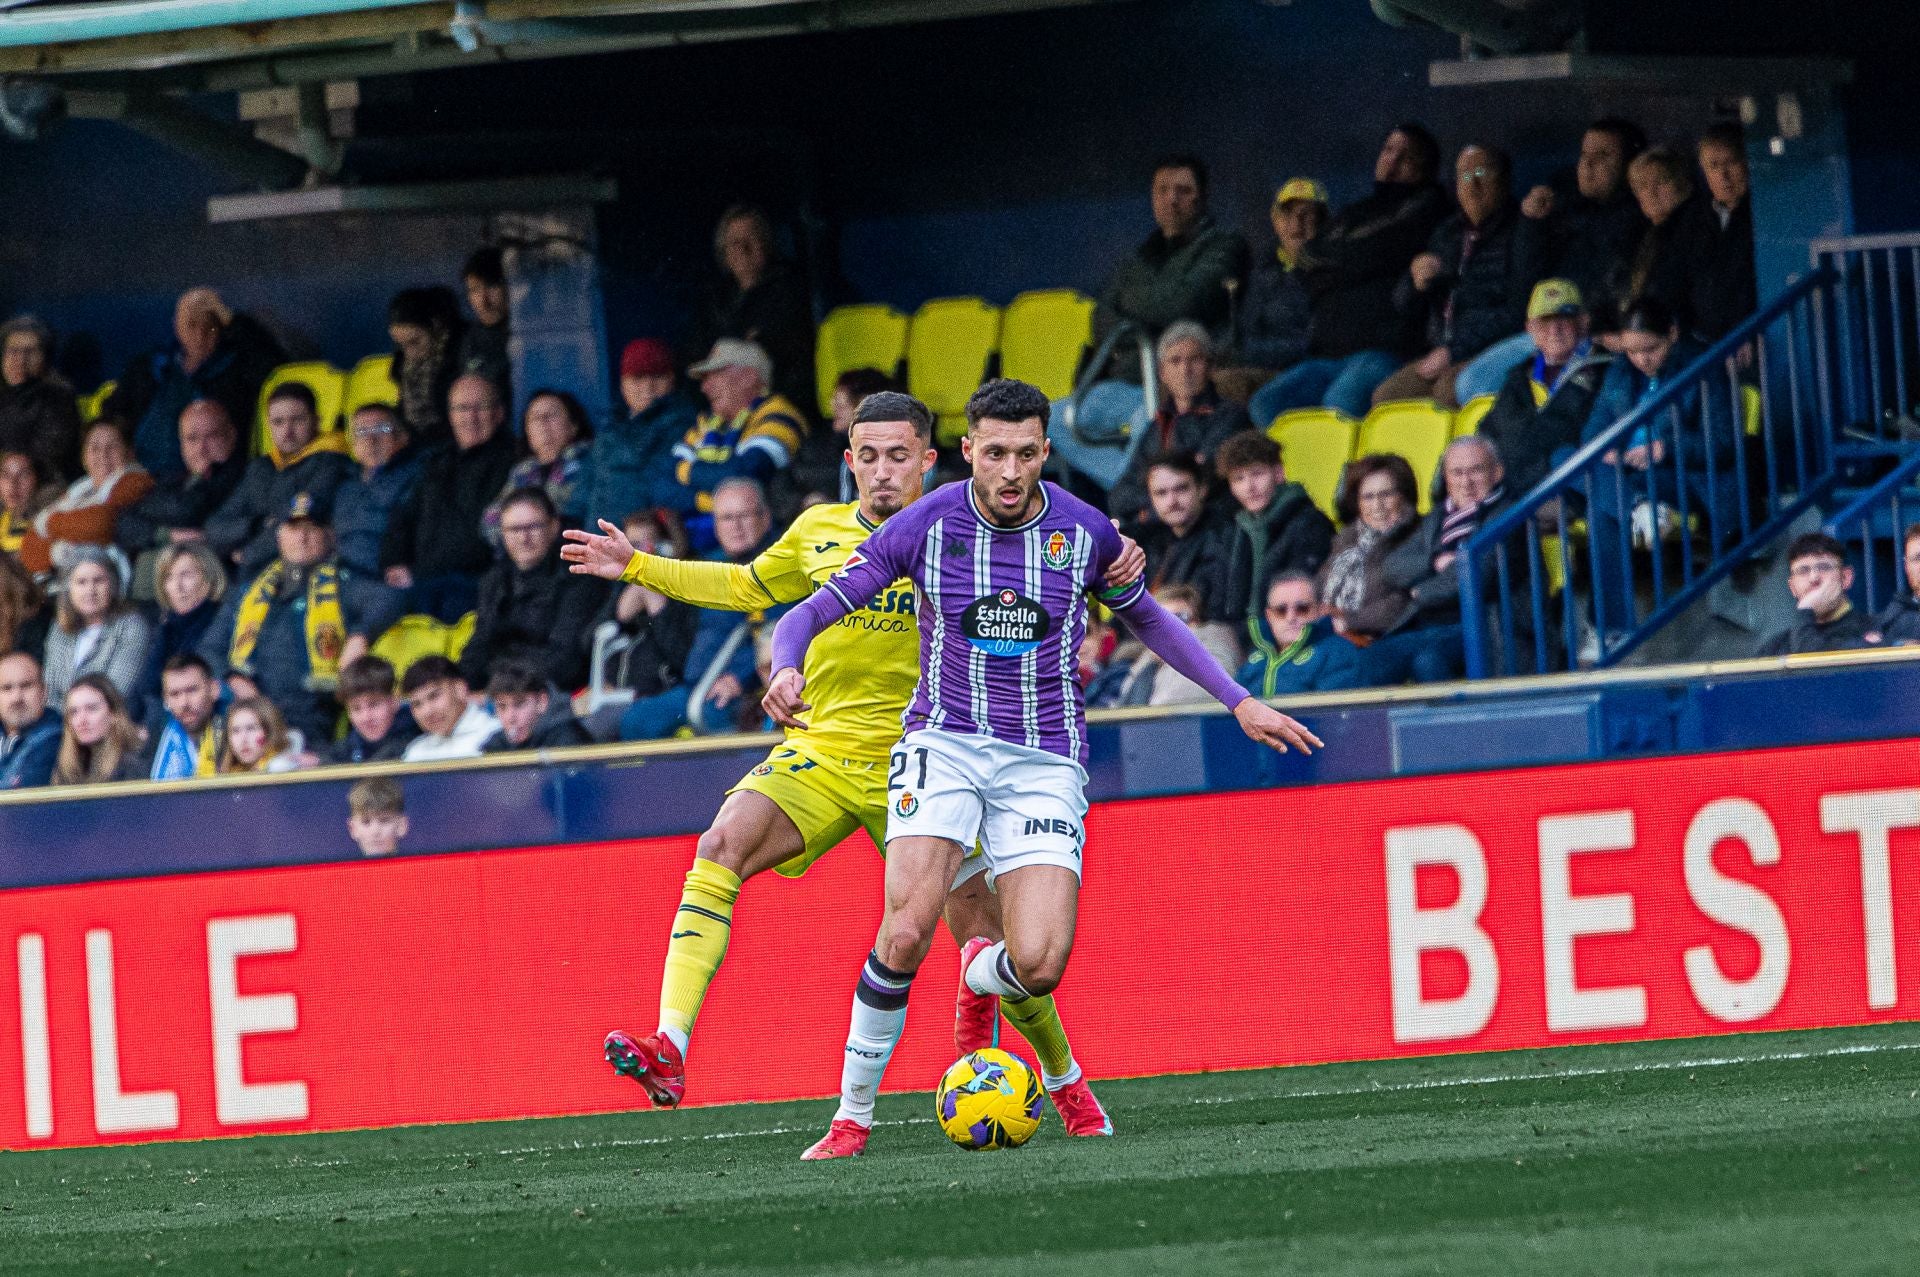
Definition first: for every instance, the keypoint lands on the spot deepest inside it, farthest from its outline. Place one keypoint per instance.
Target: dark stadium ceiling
(232, 45)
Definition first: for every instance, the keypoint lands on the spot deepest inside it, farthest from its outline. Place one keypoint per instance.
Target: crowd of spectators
(172, 608)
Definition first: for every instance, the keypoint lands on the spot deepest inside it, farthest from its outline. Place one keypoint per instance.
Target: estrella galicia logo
(1004, 624)
(1058, 554)
(907, 805)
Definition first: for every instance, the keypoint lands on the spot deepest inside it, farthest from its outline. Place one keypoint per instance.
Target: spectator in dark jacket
(1193, 417)
(659, 631)
(1825, 620)
(821, 466)
(1898, 624)
(38, 413)
(381, 724)
(425, 326)
(762, 298)
(1276, 528)
(1350, 271)
(1188, 537)
(435, 548)
(1592, 223)
(557, 439)
(1295, 649)
(1543, 405)
(29, 730)
(286, 635)
(529, 717)
(1274, 320)
(1426, 644)
(1663, 263)
(1181, 270)
(632, 466)
(1724, 290)
(176, 511)
(1377, 504)
(531, 607)
(390, 468)
(1470, 287)
(484, 344)
(1692, 445)
(191, 585)
(302, 459)
(218, 354)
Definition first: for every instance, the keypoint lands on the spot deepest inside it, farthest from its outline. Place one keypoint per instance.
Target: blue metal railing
(1874, 323)
(1879, 516)
(1736, 447)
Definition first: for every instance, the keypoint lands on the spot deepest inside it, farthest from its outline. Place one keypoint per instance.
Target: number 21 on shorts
(896, 774)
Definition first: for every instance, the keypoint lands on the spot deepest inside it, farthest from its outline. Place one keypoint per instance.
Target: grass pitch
(1778, 1153)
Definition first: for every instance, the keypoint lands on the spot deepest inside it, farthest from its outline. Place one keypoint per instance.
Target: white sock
(991, 974)
(879, 1016)
(676, 1036)
(1068, 1078)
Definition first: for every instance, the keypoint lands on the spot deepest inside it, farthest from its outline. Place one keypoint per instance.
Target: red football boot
(653, 1061)
(976, 1016)
(844, 1138)
(1079, 1112)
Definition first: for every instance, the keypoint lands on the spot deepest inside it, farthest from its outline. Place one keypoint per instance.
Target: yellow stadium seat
(1042, 336)
(950, 343)
(1315, 446)
(410, 638)
(329, 386)
(458, 634)
(1467, 420)
(1417, 429)
(864, 336)
(371, 381)
(90, 405)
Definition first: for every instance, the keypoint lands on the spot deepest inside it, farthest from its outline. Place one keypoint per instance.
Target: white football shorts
(1024, 806)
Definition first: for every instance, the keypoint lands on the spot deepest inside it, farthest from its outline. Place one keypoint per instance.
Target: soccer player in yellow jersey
(817, 787)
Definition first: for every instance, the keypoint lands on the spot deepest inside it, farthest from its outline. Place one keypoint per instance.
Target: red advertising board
(1664, 898)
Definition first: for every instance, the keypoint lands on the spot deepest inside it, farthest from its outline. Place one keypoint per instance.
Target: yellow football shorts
(827, 798)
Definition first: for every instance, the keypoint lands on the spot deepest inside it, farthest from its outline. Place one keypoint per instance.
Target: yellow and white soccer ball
(989, 1099)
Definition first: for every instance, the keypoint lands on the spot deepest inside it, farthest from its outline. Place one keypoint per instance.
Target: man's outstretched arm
(1168, 638)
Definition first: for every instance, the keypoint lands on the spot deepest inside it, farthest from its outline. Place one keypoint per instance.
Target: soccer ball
(989, 1099)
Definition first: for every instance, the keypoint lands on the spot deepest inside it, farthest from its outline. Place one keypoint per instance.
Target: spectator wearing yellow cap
(1274, 320)
(1546, 397)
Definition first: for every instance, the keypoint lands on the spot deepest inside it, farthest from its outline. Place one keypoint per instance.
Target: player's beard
(987, 498)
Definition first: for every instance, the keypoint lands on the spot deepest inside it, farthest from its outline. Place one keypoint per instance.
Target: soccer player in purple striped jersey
(994, 739)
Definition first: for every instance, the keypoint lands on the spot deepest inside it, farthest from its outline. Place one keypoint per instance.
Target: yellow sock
(701, 928)
(1039, 1023)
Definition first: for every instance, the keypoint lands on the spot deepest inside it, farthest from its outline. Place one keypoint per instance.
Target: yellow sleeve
(775, 576)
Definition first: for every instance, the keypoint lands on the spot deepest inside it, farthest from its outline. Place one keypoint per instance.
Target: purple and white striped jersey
(1002, 612)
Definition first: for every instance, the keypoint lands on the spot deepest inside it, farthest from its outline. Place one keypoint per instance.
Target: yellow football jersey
(861, 672)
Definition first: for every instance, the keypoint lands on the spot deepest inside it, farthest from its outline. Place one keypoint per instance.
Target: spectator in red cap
(633, 457)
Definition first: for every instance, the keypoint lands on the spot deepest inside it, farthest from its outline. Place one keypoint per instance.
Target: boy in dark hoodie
(1276, 528)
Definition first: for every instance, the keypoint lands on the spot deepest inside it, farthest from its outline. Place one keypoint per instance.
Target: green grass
(1711, 1155)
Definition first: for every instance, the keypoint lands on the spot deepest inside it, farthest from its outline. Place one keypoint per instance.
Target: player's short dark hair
(1181, 462)
(427, 671)
(1424, 145)
(892, 405)
(377, 796)
(1244, 451)
(182, 661)
(1631, 137)
(1815, 545)
(299, 391)
(511, 676)
(368, 676)
(487, 264)
(535, 497)
(1188, 161)
(1005, 399)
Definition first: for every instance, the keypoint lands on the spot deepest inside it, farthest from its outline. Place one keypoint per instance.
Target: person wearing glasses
(1825, 620)
(1294, 646)
(389, 473)
(1469, 289)
(531, 607)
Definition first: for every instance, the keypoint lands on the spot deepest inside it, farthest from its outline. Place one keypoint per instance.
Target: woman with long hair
(1377, 504)
(85, 513)
(96, 630)
(101, 743)
(23, 610)
(556, 439)
(257, 739)
(425, 326)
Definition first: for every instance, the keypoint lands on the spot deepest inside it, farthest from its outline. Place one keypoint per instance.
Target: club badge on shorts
(907, 805)
(1058, 554)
